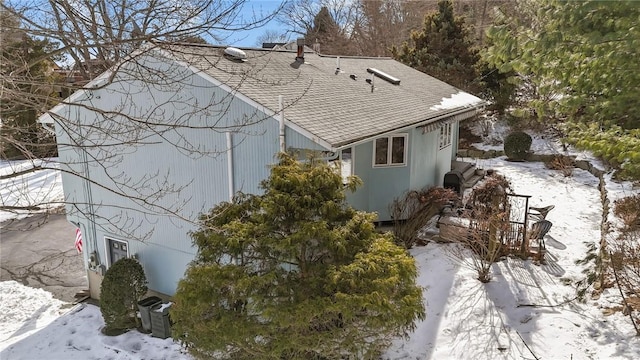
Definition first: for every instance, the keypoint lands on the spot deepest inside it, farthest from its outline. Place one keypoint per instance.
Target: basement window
(390, 150)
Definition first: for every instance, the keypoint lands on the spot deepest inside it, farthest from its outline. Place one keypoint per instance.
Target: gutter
(416, 125)
(48, 126)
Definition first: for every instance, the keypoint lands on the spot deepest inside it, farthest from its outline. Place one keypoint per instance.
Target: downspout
(281, 118)
(230, 164)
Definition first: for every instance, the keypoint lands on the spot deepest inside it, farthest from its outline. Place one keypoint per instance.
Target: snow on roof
(460, 99)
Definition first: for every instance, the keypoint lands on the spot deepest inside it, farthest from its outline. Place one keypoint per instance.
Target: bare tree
(481, 228)
(625, 256)
(381, 24)
(129, 38)
(298, 15)
(271, 36)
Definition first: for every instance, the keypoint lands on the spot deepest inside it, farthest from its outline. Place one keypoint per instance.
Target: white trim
(389, 162)
(459, 115)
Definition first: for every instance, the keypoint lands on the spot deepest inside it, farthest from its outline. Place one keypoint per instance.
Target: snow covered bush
(123, 285)
(517, 145)
(295, 273)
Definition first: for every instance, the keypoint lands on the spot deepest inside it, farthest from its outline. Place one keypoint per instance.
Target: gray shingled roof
(331, 106)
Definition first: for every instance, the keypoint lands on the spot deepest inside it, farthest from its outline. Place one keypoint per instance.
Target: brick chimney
(300, 53)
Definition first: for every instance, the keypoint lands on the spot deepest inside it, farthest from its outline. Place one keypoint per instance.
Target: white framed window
(344, 163)
(445, 135)
(390, 150)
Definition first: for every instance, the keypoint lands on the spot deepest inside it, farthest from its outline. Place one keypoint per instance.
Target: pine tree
(295, 273)
(443, 49)
(327, 33)
(576, 63)
(21, 60)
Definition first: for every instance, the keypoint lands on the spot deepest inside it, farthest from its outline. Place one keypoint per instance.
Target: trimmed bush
(123, 285)
(517, 145)
(310, 279)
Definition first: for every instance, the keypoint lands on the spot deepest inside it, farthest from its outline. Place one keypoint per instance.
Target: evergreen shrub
(517, 145)
(295, 273)
(123, 285)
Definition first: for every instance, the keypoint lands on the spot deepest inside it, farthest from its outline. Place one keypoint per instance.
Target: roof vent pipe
(300, 53)
(383, 75)
(337, 65)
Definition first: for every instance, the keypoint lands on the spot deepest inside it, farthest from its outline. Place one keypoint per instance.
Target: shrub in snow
(628, 210)
(123, 285)
(517, 145)
(415, 210)
(487, 219)
(295, 273)
(625, 256)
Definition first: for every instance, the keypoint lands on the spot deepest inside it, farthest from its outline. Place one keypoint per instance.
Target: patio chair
(538, 230)
(540, 213)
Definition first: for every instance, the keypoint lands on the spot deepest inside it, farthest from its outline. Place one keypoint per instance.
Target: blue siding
(427, 165)
(252, 155)
(425, 150)
(381, 184)
(198, 180)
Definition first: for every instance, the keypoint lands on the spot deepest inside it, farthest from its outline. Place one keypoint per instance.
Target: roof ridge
(361, 57)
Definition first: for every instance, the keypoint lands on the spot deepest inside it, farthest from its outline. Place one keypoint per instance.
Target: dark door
(117, 250)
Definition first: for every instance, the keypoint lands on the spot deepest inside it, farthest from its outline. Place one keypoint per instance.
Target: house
(178, 128)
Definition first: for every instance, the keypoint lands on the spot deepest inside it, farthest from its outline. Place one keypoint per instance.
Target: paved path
(39, 252)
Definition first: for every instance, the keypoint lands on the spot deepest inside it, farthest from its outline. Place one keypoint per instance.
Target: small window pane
(347, 167)
(115, 245)
(397, 150)
(123, 247)
(382, 148)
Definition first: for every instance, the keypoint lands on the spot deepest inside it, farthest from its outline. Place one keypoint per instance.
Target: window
(390, 150)
(344, 163)
(117, 250)
(445, 135)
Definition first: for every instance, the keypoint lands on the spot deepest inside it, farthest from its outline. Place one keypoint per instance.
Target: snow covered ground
(37, 326)
(527, 311)
(42, 188)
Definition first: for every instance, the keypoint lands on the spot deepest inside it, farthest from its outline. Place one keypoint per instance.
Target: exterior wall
(149, 193)
(430, 162)
(381, 184)
(444, 156)
(426, 166)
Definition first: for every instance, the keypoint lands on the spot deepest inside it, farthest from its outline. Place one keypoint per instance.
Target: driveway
(39, 252)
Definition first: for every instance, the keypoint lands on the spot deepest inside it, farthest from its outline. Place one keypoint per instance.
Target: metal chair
(538, 230)
(540, 213)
